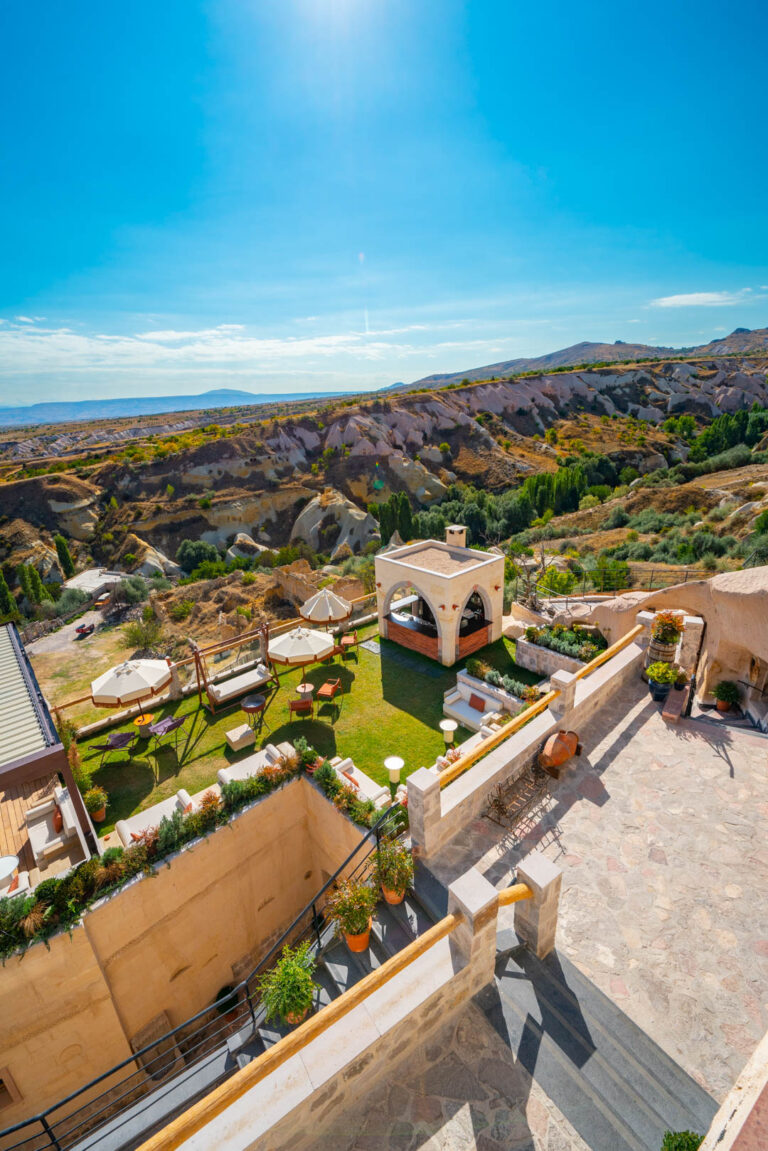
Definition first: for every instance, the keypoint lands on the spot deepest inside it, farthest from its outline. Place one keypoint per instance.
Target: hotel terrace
(580, 961)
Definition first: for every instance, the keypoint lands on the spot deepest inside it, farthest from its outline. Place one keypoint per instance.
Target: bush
(181, 611)
(143, 634)
(287, 989)
(681, 1141)
(70, 600)
(662, 673)
(191, 553)
(131, 590)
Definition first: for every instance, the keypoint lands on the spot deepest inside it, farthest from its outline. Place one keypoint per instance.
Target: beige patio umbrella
(301, 646)
(131, 681)
(325, 607)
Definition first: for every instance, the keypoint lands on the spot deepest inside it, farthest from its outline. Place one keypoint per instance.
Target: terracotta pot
(393, 896)
(359, 942)
(294, 1017)
(723, 705)
(100, 815)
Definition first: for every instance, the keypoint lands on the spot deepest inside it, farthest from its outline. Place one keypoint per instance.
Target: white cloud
(28, 319)
(701, 299)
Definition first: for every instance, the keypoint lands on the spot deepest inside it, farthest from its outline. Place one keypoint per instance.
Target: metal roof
(25, 726)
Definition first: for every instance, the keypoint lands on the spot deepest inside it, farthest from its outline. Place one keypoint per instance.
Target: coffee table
(254, 705)
(142, 722)
(305, 690)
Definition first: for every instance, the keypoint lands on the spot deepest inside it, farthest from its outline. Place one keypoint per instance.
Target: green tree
(191, 553)
(405, 517)
(7, 602)
(65, 557)
(37, 587)
(22, 575)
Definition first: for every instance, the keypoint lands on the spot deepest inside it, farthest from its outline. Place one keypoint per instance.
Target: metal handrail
(371, 838)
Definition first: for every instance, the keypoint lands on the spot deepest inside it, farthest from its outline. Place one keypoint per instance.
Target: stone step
(617, 1088)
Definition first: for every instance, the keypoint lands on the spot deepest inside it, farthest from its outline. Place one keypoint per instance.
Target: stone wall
(164, 943)
(543, 660)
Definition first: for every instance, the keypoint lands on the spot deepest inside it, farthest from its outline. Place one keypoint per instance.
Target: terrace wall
(437, 816)
(165, 943)
(543, 660)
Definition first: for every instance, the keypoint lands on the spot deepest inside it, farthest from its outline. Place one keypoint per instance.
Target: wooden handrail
(604, 656)
(514, 894)
(466, 761)
(223, 1096)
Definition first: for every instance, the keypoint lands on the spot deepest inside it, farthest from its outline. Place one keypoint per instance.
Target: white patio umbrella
(130, 681)
(325, 607)
(301, 646)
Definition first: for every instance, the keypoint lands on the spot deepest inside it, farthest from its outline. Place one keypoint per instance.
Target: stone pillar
(690, 642)
(474, 940)
(446, 626)
(174, 687)
(564, 682)
(424, 811)
(536, 918)
(646, 618)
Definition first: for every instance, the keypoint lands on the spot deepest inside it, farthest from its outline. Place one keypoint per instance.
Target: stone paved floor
(662, 834)
(462, 1091)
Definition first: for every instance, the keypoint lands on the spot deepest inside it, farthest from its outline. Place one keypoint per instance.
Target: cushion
(137, 836)
(348, 775)
(476, 702)
(14, 884)
(58, 819)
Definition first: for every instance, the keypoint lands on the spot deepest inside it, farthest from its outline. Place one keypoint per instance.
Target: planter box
(505, 699)
(544, 660)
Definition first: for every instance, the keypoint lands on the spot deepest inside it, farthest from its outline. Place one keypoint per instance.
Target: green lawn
(390, 705)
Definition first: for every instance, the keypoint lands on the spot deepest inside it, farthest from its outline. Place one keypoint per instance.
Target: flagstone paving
(662, 834)
(463, 1090)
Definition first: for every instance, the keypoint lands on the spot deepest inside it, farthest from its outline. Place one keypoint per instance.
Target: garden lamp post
(394, 765)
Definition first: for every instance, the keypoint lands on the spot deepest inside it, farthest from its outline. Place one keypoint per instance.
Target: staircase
(337, 970)
(616, 1087)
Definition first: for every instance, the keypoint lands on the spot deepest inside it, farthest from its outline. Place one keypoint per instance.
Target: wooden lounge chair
(301, 707)
(329, 689)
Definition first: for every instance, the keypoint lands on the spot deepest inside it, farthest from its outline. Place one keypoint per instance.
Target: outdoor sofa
(130, 830)
(229, 690)
(362, 783)
(470, 707)
(44, 840)
(253, 764)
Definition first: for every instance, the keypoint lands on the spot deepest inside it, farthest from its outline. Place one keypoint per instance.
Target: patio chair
(117, 741)
(329, 689)
(171, 725)
(301, 707)
(348, 644)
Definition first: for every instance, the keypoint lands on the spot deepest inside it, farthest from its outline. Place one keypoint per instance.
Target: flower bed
(505, 684)
(576, 642)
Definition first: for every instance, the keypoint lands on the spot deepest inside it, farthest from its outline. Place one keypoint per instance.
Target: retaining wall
(543, 660)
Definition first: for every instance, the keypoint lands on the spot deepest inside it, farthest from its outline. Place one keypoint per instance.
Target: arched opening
(411, 619)
(473, 622)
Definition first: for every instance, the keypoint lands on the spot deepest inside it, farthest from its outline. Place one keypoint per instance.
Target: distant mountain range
(63, 411)
(740, 340)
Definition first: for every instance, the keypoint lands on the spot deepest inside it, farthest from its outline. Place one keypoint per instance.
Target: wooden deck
(14, 802)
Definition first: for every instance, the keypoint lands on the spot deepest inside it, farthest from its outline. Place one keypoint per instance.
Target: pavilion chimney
(456, 535)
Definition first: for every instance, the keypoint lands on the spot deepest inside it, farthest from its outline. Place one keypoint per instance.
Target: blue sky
(288, 195)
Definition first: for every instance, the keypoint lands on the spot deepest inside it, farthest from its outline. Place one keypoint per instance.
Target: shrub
(131, 590)
(662, 672)
(727, 691)
(94, 799)
(681, 1141)
(667, 626)
(180, 611)
(394, 866)
(351, 905)
(70, 600)
(143, 634)
(191, 553)
(287, 989)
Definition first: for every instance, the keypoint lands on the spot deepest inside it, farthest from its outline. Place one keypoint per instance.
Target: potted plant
(394, 870)
(666, 630)
(226, 1002)
(287, 989)
(726, 693)
(95, 800)
(351, 905)
(661, 677)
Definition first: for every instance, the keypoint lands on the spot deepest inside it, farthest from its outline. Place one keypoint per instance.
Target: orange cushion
(14, 883)
(348, 775)
(477, 702)
(137, 836)
(58, 819)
